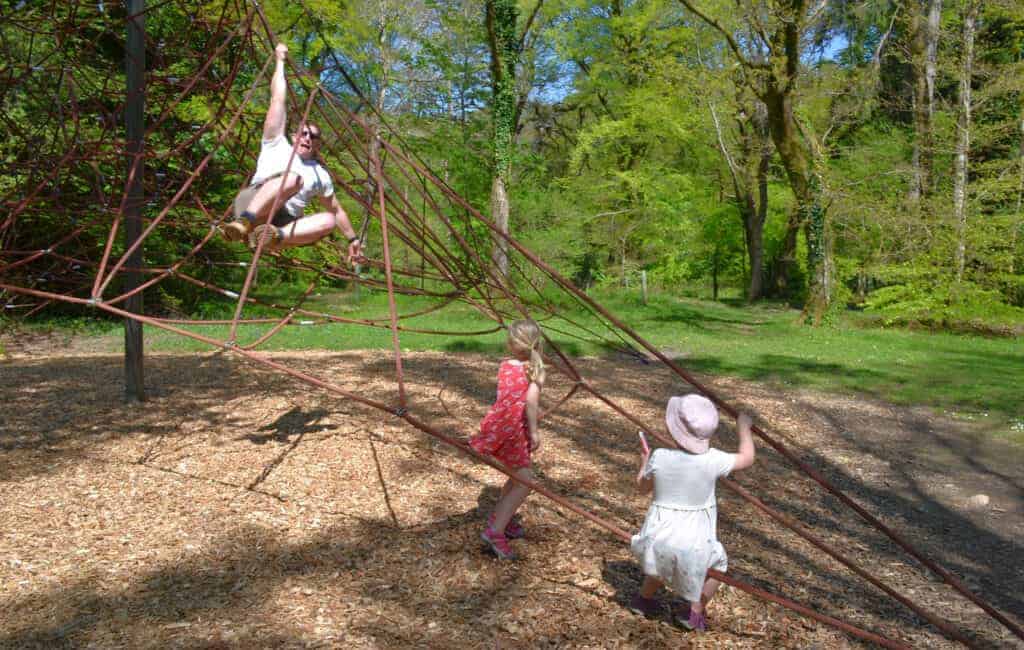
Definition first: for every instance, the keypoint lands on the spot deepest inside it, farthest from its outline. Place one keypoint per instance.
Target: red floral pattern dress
(503, 431)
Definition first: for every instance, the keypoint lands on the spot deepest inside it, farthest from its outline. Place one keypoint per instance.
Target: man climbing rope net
(297, 185)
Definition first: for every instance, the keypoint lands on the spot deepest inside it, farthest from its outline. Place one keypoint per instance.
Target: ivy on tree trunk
(501, 19)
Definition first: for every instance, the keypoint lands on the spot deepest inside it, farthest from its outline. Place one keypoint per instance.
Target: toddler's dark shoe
(682, 613)
(644, 606)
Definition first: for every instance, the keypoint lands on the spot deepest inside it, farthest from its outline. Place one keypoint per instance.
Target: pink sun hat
(692, 420)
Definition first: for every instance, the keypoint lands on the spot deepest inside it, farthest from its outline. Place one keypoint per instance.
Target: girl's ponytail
(536, 371)
(525, 340)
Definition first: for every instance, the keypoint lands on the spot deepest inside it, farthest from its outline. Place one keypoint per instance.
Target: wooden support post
(135, 103)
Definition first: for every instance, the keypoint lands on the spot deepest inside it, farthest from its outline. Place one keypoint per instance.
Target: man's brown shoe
(273, 242)
(237, 230)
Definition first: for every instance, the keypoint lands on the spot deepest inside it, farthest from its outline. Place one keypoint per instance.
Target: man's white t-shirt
(274, 156)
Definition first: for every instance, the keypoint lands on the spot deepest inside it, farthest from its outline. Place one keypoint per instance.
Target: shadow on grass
(571, 348)
(474, 345)
(928, 382)
(692, 316)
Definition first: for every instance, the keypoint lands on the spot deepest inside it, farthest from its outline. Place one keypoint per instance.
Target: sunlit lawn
(970, 376)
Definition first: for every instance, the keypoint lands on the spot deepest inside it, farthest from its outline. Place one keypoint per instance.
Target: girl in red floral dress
(509, 430)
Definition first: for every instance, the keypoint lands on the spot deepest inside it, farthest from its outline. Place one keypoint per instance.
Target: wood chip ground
(238, 508)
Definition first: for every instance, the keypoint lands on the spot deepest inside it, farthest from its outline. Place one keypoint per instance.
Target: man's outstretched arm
(341, 220)
(273, 125)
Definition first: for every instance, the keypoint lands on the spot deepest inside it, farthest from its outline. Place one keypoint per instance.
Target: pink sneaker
(514, 530)
(498, 543)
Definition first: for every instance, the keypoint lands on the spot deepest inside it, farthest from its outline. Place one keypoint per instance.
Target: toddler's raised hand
(645, 454)
(745, 454)
(743, 422)
(645, 450)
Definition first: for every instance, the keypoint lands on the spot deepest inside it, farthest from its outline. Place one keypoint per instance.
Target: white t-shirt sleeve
(328, 184)
(652, 465)
(721, 462)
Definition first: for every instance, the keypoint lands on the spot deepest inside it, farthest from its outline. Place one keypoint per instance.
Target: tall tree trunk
(1020, 160)
(963, 142)
(751, 187)
(1018, 231)
(622, 261)
(499, 213)
(501, 19)
(784, 270)
(807, 189)
(373, 122)
(924, 66)
(760, 157)
(754, 232)
(931, 53)
(797, 152)
(714, 273)
(749, 171)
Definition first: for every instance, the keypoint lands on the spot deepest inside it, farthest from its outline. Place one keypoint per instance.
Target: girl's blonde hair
(524, 341)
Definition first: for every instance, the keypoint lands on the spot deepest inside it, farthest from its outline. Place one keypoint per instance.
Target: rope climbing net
(66, 198)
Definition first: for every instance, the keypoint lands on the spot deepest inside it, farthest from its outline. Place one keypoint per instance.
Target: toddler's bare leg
(511, 500)
(650, 587)
(706, 594)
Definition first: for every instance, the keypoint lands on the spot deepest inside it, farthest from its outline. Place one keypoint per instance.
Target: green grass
(968, 376)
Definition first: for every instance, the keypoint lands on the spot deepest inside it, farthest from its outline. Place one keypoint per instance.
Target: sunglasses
(309, 134)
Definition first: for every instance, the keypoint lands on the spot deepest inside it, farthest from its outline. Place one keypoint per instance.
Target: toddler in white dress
(678, 542)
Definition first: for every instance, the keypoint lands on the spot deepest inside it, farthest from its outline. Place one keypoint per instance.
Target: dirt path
(237, 508)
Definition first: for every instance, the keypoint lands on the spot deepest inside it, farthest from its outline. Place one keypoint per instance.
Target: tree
(506, 46)
(923, 27)
(772, 66)
(963, 128)
(748, 169)
(502, 17)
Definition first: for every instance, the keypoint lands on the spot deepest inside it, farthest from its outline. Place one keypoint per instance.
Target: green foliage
(616, 166)
(933, 300)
